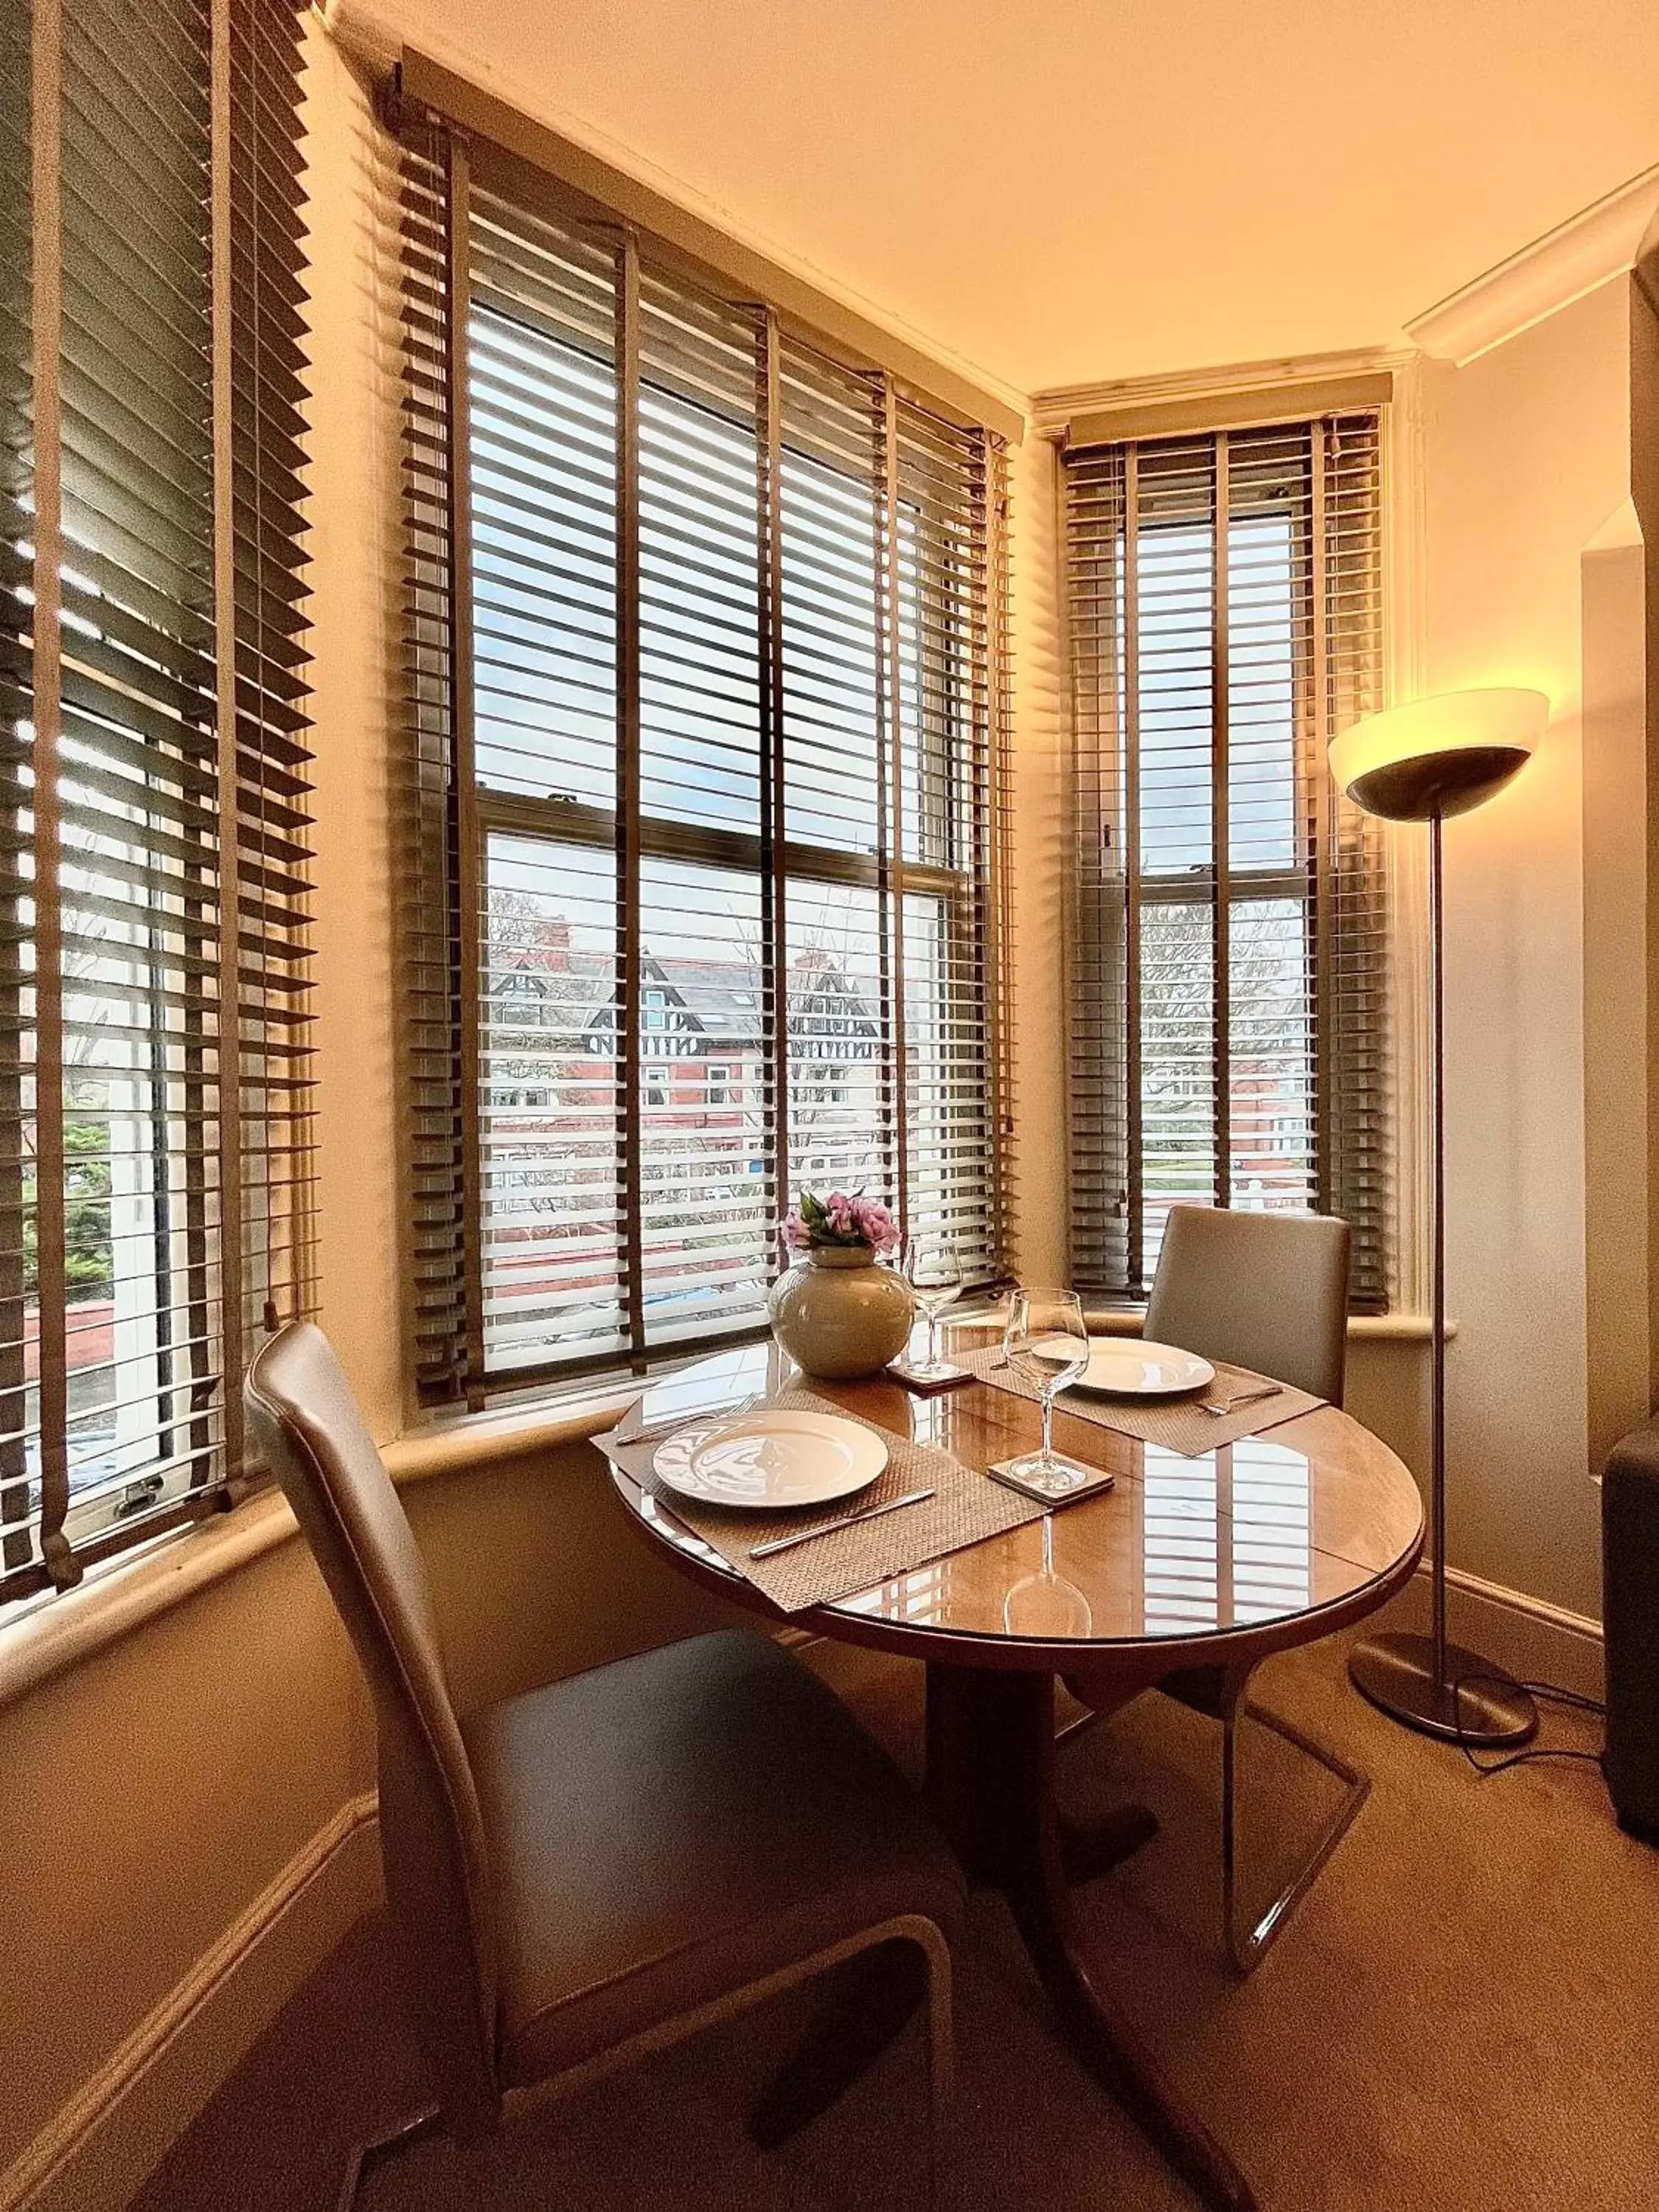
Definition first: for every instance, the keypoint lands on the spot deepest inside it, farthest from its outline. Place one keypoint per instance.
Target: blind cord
(1546, 1693)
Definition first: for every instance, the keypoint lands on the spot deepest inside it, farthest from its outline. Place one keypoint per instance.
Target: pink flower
(842, 1219)
(875, 1224)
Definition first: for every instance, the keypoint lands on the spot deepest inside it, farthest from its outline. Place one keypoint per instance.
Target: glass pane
(1177, 1068)
(1177, 689)
(706, 1215)
(831, 657)
(700, 663)
(947, 1081)
(1260, 696)
(1272, 1127)
(543, 564)
(839, 1111)
(554, 1283)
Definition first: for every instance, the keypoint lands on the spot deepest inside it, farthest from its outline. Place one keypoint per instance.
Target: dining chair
(1268, 1292)
(587, 1873)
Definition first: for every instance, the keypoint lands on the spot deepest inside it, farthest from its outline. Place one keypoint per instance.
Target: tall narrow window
(701, 875)
(153, 847)
(1228, 1002)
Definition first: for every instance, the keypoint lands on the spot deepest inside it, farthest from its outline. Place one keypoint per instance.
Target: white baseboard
(95, 2154)
(1536, 1640)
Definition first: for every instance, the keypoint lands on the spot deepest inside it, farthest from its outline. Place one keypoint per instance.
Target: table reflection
(1226, 1538)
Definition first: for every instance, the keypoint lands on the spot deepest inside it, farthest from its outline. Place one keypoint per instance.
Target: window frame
(1312, 880)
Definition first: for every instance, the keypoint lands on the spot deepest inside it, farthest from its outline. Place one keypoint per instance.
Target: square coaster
(949, 1377)
(1072, 1481)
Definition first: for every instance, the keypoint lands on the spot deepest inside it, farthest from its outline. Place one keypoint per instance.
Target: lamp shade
(1438, 756)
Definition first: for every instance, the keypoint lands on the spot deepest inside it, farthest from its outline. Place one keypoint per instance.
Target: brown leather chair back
(1264, 1291)
(302, 1410)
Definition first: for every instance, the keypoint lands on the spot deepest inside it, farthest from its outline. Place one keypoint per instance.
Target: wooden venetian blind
(153, 853)
(1229, 973)
(705, 659)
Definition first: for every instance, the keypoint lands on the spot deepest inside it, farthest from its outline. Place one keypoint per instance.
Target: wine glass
(1048, 1346)
(933, 1273)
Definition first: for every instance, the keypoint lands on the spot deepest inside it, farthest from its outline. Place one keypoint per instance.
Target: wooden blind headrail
(586, 183)
(1256, 407)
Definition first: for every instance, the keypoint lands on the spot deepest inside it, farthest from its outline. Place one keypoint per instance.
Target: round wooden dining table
(1193, 1568)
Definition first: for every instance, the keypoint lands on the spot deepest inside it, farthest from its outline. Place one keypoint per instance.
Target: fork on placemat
(1219, 1412)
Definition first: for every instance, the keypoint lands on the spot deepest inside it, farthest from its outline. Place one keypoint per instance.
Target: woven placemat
(1179, 1425)
(965, 1508)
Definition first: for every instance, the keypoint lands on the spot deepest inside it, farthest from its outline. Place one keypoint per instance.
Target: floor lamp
(1421, 763)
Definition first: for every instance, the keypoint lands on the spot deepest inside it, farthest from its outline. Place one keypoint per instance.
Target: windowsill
(56, 1633)
(1362, 1328)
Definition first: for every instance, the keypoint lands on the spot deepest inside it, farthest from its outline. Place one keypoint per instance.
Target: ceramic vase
(838, 1315)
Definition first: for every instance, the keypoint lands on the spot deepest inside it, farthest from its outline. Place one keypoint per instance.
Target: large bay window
(704, 859)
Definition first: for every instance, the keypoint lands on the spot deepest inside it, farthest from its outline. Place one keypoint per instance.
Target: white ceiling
(1074, 190)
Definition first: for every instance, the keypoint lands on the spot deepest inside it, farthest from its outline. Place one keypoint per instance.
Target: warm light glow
(1438, 756)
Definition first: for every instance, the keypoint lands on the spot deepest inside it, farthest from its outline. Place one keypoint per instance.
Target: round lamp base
(1490, 1710)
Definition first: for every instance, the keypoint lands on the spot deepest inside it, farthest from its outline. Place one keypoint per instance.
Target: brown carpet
(1461, 2020)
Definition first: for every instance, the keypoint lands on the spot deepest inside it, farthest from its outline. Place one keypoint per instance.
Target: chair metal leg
(368, 2158)
(801, 2098)
(1245, 1946)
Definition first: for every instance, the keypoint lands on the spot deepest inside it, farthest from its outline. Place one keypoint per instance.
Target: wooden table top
(1277, 1540)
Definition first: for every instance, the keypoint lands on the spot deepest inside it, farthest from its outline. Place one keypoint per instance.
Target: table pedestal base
(991, 1784)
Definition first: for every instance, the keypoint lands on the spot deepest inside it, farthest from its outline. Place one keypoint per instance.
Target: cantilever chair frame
(427, 2124)
(1224, 1694)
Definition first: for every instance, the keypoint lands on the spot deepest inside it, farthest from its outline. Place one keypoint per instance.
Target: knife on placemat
(831, 1527)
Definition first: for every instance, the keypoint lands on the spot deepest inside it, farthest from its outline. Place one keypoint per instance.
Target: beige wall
(1645, 496)
(150, 1794)
(354, 535)
(1526, 471)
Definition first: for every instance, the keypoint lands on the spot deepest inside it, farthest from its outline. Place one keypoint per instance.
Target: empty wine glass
(933, 1273)
(1048, 1346)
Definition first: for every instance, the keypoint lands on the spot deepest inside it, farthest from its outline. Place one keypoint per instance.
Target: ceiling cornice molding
(1576, 257)
(1052, 410)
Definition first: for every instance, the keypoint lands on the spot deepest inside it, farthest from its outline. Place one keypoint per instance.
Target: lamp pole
(1438, 1264)
(1429, 1683)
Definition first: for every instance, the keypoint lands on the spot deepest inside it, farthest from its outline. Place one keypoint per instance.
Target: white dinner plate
(1128, 1367)
(771, 1460)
